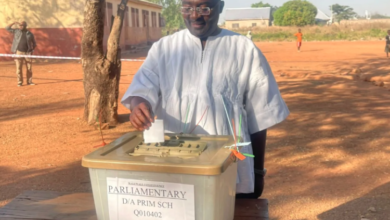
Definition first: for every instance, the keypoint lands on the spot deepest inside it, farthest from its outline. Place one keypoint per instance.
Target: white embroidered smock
(179, 79)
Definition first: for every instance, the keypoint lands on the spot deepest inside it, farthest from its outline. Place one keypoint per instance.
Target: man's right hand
(13, 24)
(141, 115)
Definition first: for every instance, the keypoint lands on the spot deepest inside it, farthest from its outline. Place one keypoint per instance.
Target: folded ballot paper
(155, 133)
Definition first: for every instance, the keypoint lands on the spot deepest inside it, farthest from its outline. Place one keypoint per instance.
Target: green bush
(376, 32)
(295, 13)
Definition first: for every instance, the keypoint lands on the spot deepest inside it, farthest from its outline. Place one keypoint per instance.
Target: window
(236, 25)
(134, 17)
(254, 24)
(126, 18)
(145, 16)
(137, 17)
(154, 19)
(160, 20)
(107, 14)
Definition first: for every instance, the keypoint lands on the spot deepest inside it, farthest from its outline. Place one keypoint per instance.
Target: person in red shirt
(299, 36)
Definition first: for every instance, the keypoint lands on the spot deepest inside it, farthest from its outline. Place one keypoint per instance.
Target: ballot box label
(147, 200)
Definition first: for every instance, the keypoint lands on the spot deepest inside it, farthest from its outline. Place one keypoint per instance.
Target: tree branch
(114, 38)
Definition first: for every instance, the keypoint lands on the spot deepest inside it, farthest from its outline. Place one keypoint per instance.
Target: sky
(360, 6)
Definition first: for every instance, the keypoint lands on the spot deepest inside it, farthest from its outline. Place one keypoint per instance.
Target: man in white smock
(190, 76)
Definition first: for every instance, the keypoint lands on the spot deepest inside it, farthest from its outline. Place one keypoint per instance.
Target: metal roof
(321, 15)
(234, 14)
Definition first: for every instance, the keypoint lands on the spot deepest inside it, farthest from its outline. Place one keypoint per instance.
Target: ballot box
(186, 177)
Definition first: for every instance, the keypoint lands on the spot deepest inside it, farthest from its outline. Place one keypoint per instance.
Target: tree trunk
(101, 72)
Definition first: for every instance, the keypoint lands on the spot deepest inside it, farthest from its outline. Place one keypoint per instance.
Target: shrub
(295, 13)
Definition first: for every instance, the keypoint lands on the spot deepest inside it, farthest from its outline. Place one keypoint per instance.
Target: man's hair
(24, 23)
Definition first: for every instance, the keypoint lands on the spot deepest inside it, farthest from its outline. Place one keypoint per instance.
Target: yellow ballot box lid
(179, 154)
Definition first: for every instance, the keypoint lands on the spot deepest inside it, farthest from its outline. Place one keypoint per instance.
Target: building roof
(235, 14)
(150, 4)
(321, 15)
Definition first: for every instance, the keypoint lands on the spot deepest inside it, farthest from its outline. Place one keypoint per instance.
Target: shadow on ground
(332, 149)
(374, 205)
(49, 179)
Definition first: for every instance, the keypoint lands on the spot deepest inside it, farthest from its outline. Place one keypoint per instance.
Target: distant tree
(171, 13)
(342, 12)
(260, 5)
(264, 5)
(295, 13)
(377, 15)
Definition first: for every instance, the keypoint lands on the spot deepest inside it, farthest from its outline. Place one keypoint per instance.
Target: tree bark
(101, 71)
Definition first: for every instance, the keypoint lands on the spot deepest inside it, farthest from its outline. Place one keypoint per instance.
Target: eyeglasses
(199, 10)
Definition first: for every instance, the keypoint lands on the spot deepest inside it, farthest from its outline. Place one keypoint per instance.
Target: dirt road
(329, 160)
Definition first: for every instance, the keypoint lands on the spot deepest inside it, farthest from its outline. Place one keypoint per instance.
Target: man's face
(299, 30)
(22, 26)
(202, 26)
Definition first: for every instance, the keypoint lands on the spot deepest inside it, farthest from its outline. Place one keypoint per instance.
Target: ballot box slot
(170, 148)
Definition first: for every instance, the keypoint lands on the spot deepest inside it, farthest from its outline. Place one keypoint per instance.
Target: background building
(321, 17)
(58, 24)
(247, 17)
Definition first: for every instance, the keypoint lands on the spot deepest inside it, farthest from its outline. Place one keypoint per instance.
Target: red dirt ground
(329, 160)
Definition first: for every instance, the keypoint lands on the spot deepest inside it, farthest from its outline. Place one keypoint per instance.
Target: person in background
(249, 35)
(204, 70)
(299, 36)
(23, 44)
(387, 48)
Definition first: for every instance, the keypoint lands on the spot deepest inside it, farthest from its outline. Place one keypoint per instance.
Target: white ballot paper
(155, 133)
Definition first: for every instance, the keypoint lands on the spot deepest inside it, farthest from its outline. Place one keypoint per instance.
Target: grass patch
(347, 32)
